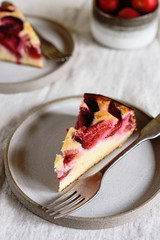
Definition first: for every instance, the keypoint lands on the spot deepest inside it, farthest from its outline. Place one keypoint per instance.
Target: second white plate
(22, 78)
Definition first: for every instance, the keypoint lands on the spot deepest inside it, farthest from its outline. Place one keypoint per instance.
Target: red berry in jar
(145, 6)
(108, 5)
(128, 13)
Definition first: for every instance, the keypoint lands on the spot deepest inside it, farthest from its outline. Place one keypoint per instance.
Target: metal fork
(85, 189)
(50, 51)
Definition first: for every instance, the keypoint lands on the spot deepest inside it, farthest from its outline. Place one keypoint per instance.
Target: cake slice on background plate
(103, 125)
(18, 41)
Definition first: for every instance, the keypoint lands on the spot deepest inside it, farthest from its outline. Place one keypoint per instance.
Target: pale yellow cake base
(5, 55)
(92, 157)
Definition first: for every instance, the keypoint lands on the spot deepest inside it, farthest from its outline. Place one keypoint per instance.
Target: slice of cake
(18, 41)
(102, 126)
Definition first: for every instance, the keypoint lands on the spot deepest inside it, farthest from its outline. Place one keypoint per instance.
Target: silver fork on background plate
(50, 51)
(85, 189)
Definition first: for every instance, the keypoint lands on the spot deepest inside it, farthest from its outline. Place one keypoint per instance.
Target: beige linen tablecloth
(132, 76)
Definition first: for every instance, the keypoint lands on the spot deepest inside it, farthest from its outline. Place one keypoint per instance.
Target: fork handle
(150, 131)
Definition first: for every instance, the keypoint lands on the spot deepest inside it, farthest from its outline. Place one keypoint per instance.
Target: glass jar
(122, 33)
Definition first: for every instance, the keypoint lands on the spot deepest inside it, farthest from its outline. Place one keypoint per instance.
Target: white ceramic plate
(21, 78)
(128, 190)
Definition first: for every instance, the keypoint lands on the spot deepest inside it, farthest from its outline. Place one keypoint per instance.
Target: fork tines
(68, 202)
